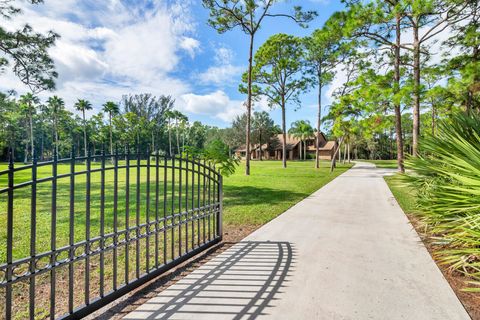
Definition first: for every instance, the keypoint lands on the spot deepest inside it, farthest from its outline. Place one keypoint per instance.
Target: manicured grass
(248, 201)
(404, 194)
(270, 189)
(387, 164)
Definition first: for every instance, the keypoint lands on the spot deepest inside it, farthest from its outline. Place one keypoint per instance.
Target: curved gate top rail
(78, 233)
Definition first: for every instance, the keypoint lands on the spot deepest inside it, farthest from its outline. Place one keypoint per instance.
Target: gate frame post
(220, 211)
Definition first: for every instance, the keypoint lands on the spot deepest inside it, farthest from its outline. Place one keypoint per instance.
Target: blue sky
(109, 48)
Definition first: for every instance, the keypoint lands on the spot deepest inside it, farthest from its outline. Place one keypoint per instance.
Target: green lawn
(404, 194)
(270, 189)
(387, 164)
(248, 201)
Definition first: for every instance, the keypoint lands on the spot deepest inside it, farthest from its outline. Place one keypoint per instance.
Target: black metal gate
(78, 233)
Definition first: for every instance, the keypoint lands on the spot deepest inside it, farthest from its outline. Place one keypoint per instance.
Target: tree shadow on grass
(249, 195)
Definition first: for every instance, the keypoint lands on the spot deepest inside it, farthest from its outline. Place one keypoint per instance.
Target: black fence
(78, 233)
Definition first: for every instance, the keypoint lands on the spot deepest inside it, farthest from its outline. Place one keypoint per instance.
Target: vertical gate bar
(156, 207)
(137, 217)
(186, 202)
(172, 218)
(53, 238)
(72, 233)
(180, 217)
(214, 202)
(87, 228)
(220, 209)
(115, 218)
(193, 202)
(33, 234)
(165, 209)
(204, 202)
(147, 213)
(198, 201)
(8, 291)
(102, 224)
(209, 202)
(127, 213)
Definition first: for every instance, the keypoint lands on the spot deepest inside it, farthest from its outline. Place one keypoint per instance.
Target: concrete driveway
(346, 252)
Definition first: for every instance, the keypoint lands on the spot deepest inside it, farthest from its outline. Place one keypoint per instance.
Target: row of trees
(32, 127)
(385, 49)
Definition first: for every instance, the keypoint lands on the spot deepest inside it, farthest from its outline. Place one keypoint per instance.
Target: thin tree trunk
(42, 145)
(178, 137)
(348, 152)
(319, 121)
(260, 147)
(284, 129)
(169, 139)
(55, 129)
(300, 150)
(305, 150)
(339, 154)
(416, 90)
(31, 136)
(433, 119)
(249, 106)
(111, 138)
(398, 113)
(85, 133)
(333, 163)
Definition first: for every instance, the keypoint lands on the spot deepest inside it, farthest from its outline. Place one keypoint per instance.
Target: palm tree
(180, 119)
(302, 130)
(169, 115)
(112, 109)
(84, 105)
(27, 103)
(54, 106)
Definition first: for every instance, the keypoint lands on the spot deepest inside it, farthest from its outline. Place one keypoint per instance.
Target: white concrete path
(346, 252)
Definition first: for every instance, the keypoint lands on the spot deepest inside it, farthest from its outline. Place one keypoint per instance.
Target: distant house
(274, 150)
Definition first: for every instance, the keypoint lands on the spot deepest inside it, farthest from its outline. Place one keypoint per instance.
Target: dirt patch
(470, 300)
(128, 303)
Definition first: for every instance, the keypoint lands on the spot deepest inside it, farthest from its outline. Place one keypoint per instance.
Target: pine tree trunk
(416, 91)
(249, 106)
(284, 129)
(398, 113)
(319, 121)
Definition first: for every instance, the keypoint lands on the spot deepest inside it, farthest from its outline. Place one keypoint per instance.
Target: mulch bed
(470, 300)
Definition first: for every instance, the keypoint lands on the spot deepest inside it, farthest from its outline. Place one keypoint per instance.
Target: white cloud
(223, 72)
(216, 104)
(107, 49)
(190, 45)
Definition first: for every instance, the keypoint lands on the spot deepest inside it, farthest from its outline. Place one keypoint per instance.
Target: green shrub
(447, 178)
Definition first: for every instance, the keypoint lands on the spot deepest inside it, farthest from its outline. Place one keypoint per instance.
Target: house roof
(292, 142)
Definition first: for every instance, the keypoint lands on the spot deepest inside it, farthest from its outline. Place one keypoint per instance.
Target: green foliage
(447, 177)
(278, 65)
(27, 51)
(215, 153)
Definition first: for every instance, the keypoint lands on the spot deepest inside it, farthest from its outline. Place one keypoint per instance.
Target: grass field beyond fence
(248, 201)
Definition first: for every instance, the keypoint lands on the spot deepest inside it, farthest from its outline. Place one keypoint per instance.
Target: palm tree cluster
(32, 127)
